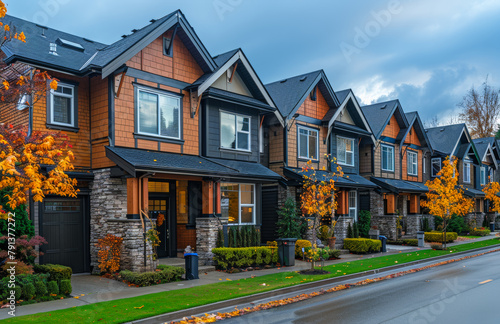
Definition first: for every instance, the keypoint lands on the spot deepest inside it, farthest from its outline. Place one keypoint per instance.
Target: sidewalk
(93, 289)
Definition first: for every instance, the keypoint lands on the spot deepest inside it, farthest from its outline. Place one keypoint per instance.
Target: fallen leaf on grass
(139, 307)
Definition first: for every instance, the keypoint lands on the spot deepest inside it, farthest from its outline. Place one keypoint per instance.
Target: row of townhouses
(159, 125)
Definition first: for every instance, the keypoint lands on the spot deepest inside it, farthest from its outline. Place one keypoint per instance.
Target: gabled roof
(445, 139)
(378, 116)
(97, 56)
(414, 121)
(483, 147)
(290, 93)
(347, 181)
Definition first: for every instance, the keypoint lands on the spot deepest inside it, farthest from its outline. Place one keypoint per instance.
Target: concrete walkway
(93, 289)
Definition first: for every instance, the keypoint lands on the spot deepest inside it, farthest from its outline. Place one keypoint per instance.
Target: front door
(162, 202)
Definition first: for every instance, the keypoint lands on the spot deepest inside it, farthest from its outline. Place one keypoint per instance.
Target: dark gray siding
(211, 132)
(333, 150)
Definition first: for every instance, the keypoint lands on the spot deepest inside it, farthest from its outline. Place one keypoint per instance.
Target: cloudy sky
(425, 53)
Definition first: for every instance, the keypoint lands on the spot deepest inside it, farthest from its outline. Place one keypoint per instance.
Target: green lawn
(470, 236)
(129, 309)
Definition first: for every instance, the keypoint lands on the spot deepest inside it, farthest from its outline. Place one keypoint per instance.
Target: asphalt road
(461, 292)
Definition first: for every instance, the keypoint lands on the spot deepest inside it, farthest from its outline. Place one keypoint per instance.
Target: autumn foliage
(491, 190)
(445, 198)
(109, 253)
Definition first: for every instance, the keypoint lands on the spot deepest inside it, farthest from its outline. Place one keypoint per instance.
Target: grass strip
(129, 309)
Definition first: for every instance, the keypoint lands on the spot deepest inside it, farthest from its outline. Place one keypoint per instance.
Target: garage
(64, 223)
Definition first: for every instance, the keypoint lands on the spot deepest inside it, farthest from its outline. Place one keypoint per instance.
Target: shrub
(109, 253)
(227, 258)
(24, 248)
(425, 225)
(290, 224)
(355, 230)
(18, 292)
(272, 243)
(329, 254)
(24, 226)
(436, 246)
(29, 291)
(52, 288)
(480, 232)
(323, 233)
(56, 272)
(408, 242)
(362, 245)
(220, 238)
(142, 279)
(41, 288)
(65, 287)
(438, 237)
(299, 245)
(350, 233)
(364, 223)
(21, 268)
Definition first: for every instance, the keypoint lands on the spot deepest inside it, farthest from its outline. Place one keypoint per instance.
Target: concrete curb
(246, 299)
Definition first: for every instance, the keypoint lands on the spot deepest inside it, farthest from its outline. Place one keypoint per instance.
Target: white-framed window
(308, 143)
(466, 172)
(491, 179)
(345, 151)
(62, 105)
(353, 208)
(424, 162)
(261, 139)
(234, 131)
(482, 176)
(435, 166)
(412, 163)
(387, 157)
(159, 113)
(238, 203)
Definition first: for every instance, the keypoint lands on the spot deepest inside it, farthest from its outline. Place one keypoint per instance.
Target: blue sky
(425, 53)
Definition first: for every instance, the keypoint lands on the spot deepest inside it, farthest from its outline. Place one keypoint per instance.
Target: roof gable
(415, 123)
(378, 116)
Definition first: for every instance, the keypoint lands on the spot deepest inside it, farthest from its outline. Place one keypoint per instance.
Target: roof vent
(283, 81)
(53, 49)
(70, 44)
(134, 30)
(43, 28)
(303, 79)
(152, 20)
(441, 130)
(383, 107)
(88, 40)
(123, 36)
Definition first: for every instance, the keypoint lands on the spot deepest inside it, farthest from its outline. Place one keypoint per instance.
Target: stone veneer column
(341, 229)
(413, 224)
(108, 215)
(387, 225)
(206, 237)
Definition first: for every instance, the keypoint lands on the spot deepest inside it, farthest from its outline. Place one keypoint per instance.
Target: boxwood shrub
(56, 272)
(408, 242)
(227, 258)
(480, 232)
(163, 274)
(65, 287)
(362, 245)
(299, 245)
(438, 237)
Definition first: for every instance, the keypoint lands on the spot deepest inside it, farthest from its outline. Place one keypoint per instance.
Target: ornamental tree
(318, 194)
(445, 198)
(491, 190)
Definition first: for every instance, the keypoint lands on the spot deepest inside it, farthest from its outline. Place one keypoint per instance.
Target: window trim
(355, 208)
(236, 132)
(424, 162)
(432, 169)
(240, 205)
(382, 158)
(415, 163)
(482, 176)
(159, 92)
(261, 139)
(298, 142)
(50, 123)
(353, 151)
(468, 163)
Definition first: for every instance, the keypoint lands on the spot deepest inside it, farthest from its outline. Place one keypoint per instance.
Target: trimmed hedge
(56, 272)
(227, 258)
(164, 275)
(52, 287)
(438, 237)
(299, 244)
(65, 287)
(480, 232)
(362, 245)
(408, 242)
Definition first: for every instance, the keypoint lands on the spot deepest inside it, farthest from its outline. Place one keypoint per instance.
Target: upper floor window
(412, 163)
(435, 166)
(261, 139)
(491, 179)
(234, 131)
(424, 162)
(387, 158)
(466, 172)
(63, 105)
(238, 203)
(308, 143)
(482, 176)
(158, 113)
(345, 151)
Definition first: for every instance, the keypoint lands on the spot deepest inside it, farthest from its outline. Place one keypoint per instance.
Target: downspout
(285, 145)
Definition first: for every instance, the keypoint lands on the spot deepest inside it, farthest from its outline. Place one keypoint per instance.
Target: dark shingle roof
(444, 138)
(341, 95)
(287, 93)
(398, 186)
(238, 97)
(347, 181)
(378, 114)
(472, 192)
(221, 59)
(248, 168)
(37, 47)
(481, 146)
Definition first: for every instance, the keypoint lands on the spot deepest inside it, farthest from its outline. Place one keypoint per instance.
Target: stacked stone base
(206, 237)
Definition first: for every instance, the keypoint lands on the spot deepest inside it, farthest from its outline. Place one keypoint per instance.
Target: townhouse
(158, 127)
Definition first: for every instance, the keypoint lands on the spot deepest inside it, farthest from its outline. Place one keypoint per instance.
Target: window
(234, 131)
(308, 143)
(412, 163)
(345, 151)
(424, 162)
(387, 158)
(491, 178)
(352, 205)
(158, 114)
(483, 176)
(62, 105)
(238, 203)
(435, 166)
(167, 46)
(466, 172)
(261, 139)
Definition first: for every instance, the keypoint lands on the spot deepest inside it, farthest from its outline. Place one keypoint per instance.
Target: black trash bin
(191, 266)
(286, 251)
(492, 226)
(383, 239)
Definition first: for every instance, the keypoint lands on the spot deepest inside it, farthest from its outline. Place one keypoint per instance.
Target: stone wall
(206, 237)
(341, 230)
(413, 224)
(376, 204)
(387, 225)
(474, 220)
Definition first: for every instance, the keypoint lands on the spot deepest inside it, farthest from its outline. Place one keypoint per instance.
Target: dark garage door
(269, 213)
(65, 227)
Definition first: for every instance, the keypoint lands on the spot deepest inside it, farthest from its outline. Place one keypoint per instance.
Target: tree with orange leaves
(318, 193)
(445, 198)
(491, 190)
